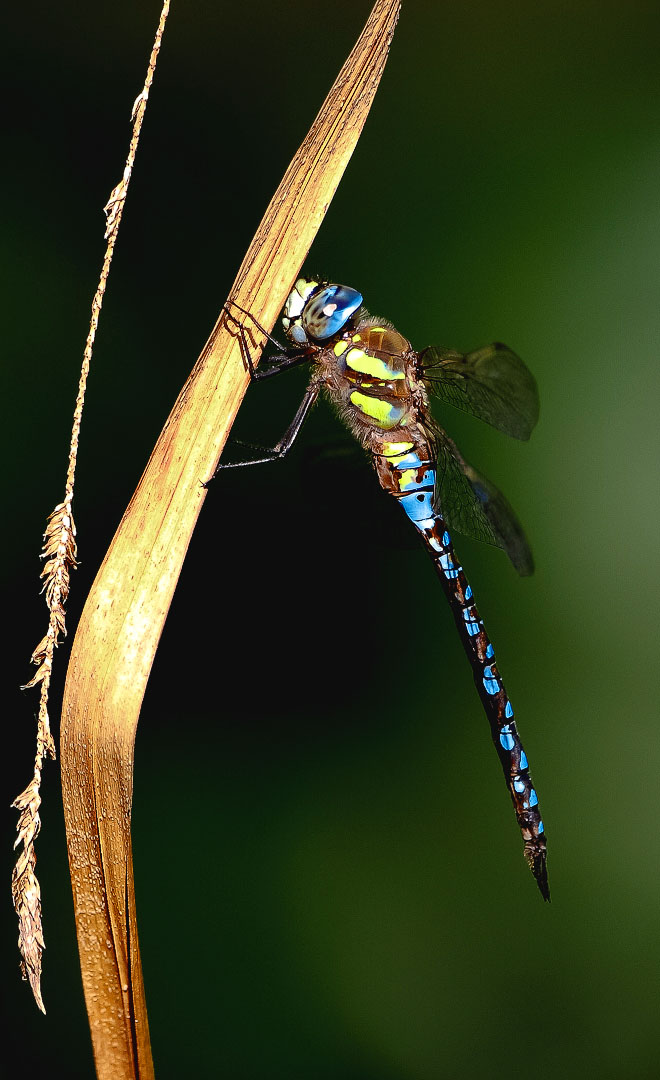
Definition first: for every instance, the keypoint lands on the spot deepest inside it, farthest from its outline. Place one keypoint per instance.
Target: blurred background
(368, 914)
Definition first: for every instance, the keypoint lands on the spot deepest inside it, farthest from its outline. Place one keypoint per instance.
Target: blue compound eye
(328, 310)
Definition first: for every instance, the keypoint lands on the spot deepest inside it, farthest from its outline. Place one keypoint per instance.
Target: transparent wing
(473, 506)
(492, 384)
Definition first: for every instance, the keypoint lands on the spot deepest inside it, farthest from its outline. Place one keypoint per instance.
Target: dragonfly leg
(250, 316)
(280, 362)
(281, 448)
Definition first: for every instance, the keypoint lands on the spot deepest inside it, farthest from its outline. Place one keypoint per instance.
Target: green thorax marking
(362, 363)
(384, 414)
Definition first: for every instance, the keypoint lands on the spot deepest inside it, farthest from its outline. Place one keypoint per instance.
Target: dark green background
(366, 911)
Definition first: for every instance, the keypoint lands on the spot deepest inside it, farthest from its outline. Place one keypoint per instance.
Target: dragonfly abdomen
(409, 474)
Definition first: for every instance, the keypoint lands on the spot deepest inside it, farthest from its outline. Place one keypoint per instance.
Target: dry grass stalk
(124, 615)
(59, 550)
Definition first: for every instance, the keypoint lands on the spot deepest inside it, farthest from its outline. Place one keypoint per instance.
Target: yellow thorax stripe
(360, 361)
(384, 413)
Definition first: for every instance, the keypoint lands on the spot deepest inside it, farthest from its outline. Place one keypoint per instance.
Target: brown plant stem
(124, 615)
(59, 550)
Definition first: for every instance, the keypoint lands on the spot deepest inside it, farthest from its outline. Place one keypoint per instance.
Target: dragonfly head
(316, 310)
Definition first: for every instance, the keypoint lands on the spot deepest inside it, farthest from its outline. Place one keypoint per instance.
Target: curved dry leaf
(124, 615)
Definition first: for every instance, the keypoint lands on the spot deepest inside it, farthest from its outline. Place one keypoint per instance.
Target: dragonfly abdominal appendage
(381, 388)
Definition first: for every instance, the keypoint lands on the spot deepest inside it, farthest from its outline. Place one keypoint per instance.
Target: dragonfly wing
(492, 384)
(473, 506)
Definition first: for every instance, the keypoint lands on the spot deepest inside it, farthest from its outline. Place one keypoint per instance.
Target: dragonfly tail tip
(540, 872)
(536, 856)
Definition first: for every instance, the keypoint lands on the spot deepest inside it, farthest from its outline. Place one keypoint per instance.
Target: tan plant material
(59, 550)
(120, 627)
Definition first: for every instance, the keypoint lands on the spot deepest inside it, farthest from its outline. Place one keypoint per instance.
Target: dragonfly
(381, 388)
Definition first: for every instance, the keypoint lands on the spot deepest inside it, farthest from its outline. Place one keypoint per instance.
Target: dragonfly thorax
(316, 311)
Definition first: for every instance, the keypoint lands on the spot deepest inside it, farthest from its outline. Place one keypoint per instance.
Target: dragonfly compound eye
(328, 310)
